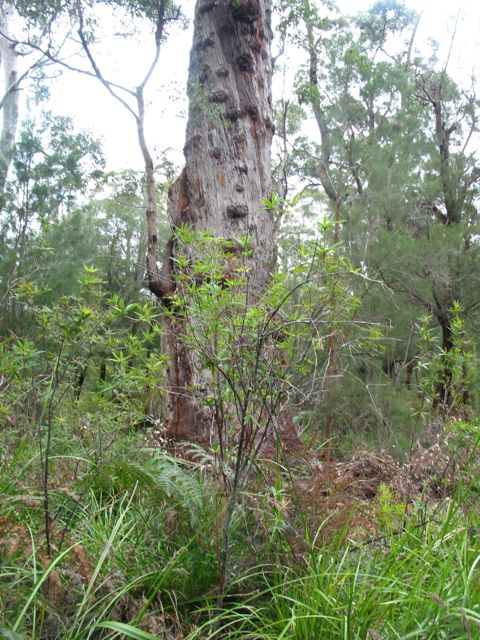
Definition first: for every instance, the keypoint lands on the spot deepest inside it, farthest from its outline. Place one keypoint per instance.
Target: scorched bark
(227, 168)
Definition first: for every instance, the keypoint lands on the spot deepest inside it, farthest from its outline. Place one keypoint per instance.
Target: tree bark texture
(227, 170)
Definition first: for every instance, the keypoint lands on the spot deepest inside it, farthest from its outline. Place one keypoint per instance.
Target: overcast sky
(92, 107)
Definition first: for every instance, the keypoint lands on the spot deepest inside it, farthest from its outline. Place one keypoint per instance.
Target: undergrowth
(422, 581)
(130, 540)
(134, 555)
(103, 534)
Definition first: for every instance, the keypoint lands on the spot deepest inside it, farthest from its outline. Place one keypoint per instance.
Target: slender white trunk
(9, 102)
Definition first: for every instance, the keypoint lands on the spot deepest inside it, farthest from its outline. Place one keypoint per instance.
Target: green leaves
(127, 630)
(271, 203)
(43, 578)
(446, 368)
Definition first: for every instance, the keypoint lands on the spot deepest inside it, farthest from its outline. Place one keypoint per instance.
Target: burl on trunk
(227, 168)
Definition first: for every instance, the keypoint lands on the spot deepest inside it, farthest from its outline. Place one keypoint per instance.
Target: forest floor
(141, 537)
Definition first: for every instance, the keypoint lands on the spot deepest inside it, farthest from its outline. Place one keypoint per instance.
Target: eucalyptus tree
(26, 45)
(227, 173)
(393, 157)
(227, 151)
(75, 27)
(347, 80)
(14, 75)
(52, 165)
(443, 224)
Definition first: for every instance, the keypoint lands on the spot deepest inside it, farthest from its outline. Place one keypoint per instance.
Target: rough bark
(227, 170)
(9, 102)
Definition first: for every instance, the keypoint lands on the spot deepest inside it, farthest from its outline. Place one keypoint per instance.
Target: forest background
(268, 430)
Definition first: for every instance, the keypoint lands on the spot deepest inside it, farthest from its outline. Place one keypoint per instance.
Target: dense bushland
(101, 527)
(330, 485)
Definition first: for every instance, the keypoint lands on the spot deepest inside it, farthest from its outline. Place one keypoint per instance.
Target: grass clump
(127, 543)
(419, 582)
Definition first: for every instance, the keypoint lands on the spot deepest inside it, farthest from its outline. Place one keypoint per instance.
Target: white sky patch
(92, 108)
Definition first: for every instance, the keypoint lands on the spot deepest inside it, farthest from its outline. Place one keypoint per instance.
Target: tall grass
(141, 532)
(422, 582)
(146, 524)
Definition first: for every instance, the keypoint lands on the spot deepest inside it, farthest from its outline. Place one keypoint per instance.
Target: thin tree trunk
(443, 388)
(333, 351)
(9, 58)
(324, 162)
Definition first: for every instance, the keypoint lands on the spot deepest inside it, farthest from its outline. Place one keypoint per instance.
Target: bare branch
(53, 58)
(98, 74)
(158, 42)
(452, 40)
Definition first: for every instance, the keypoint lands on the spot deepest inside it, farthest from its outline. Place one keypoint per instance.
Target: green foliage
(102, 532)
(257, 355)
(127, 630)
(52, 163)
(454, 364)
(118, 527)
(93, 343)
(403, 186)
(140, 539)
(421, 583)
(46, 12)
(390, 511)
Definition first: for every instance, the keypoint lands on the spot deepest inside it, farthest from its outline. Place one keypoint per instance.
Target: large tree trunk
(227, 169)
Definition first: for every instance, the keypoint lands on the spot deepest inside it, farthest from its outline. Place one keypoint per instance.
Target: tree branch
(98, 74)
(158, 42)
(53, 58)
(15, 85)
